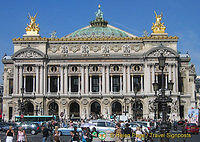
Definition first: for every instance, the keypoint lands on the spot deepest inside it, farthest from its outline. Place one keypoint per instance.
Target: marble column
(24, 86)
(107, 79)
(142, 89)
(128, 79)
(103, 80)
(111, 83)
(41, 79)
(62, 79)
(166, 81)
(34, 83)
(147, 78)
(70, 84)
(100, 83)
(90, 83)
(48, 84)
(124, 79)
(58, 84)
(132, 83)
(66, 79)
(121, 83)
(153, 77)
(82, 80)
(170, 72)
(174, 77)
(16, 80)
(45, 69)
(79, 83)
(86, 80)
(37, 79)
(20, 78)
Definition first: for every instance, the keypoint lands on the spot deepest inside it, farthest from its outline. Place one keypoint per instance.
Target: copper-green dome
(90, 31)
(99, 28)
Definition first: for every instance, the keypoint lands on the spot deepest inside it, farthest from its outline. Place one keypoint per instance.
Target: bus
(37, 119)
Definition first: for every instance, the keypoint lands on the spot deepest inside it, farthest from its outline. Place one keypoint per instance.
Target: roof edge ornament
(99, 21)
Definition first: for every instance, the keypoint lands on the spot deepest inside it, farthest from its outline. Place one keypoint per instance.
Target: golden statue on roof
(158, 27)
(32, 28)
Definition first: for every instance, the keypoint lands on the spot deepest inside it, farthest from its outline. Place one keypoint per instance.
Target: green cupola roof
(99, 28)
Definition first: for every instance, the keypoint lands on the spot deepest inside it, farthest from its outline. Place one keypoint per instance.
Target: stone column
(121, 83)
(90, 83)
(124, 79)
(25, 83)
(174, 77)
(45, 78)
(100, 83)
(66, 79)
(62, 79)
(111, 83)
(147, 78)
(107, 80)
(33, 83)
(58, 83)
(86, 79)
(153, 76)
(170, 72)
(128, 79)
(16, 80)
(166, 81)
(103, 80)
(142, 89)
(132, 83)
(82, 80)
(20, 78)
(70, 80)
(48, 84)
(41, 79)
(37, 79)
(79, 83)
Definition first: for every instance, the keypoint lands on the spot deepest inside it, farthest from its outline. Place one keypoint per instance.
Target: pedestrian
(139, 135)
(88, 134)
(45, 133)
(118, 133)
(127, 133)
(75, 135)
(56, 135)
(94, 134)
(21, 135)
(9, 134)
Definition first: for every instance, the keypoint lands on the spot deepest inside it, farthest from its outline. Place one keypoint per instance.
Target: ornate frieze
(137, 47)
(116, 69)
(95, 48)
(115, 48)
(137, 68)
(126, 49)
(28, 54)
(85, 49)
(74, 48)
(54, 48)
(64, 49)
(106, 50)
(158, 52)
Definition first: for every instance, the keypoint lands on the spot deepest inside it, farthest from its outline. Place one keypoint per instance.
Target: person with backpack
(45, 132)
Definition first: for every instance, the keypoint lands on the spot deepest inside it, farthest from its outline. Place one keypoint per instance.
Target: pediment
(29, 53)
(156, 52)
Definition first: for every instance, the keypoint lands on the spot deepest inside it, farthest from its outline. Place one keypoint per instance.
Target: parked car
(105, 126)
(65, 131)
(192, 128)
(134, 125)
(150, 126)
(181, 122)
(31, 128)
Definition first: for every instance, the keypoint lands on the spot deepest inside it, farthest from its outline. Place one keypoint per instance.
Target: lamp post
(125, 99)
(136, 89)
(162, 99)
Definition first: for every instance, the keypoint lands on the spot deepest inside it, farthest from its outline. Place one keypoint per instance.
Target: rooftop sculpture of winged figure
(32, 26)
(158, 27)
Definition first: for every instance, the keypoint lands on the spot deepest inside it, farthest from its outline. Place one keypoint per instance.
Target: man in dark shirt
(45, 132)
(75, 135)
(127, 133)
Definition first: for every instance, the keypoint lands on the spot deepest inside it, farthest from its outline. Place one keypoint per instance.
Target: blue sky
(65, 16)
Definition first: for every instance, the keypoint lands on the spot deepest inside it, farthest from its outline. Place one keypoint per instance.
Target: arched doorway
(28, 108)
(95, 110)
(53, 109)
(116, 108)
(137, 109)
(74, 110)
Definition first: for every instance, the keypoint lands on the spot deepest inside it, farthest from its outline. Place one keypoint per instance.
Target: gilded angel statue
(32, 26)
(158, 27)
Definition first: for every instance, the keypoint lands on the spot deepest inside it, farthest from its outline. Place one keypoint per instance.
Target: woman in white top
(21, 136)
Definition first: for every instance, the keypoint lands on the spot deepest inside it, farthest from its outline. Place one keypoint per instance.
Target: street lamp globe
(155, 86)
(161, 60)
(170, 85)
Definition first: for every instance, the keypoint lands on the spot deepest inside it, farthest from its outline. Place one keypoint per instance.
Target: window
(53, 69)
(136, 80)
(74, 84)
(160, 81)
(95, 83)
(74, 69)
(10, 86)
(95, 68)
(116, 83)
(116, 68)
(29, 69)
(53, 84)
(29, 84)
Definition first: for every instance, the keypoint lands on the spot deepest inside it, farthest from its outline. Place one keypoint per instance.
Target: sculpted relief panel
(158, 52)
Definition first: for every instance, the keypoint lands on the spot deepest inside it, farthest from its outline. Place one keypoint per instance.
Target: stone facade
(80, 75)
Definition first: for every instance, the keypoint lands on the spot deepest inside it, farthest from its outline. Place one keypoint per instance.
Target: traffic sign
(102, 135)
(22, 116)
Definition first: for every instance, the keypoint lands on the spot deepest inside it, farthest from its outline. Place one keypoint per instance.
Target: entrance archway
(53, 108)
(116, 108)
(29, 108)
(137, 109)
(95, 109)
(74, 110)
